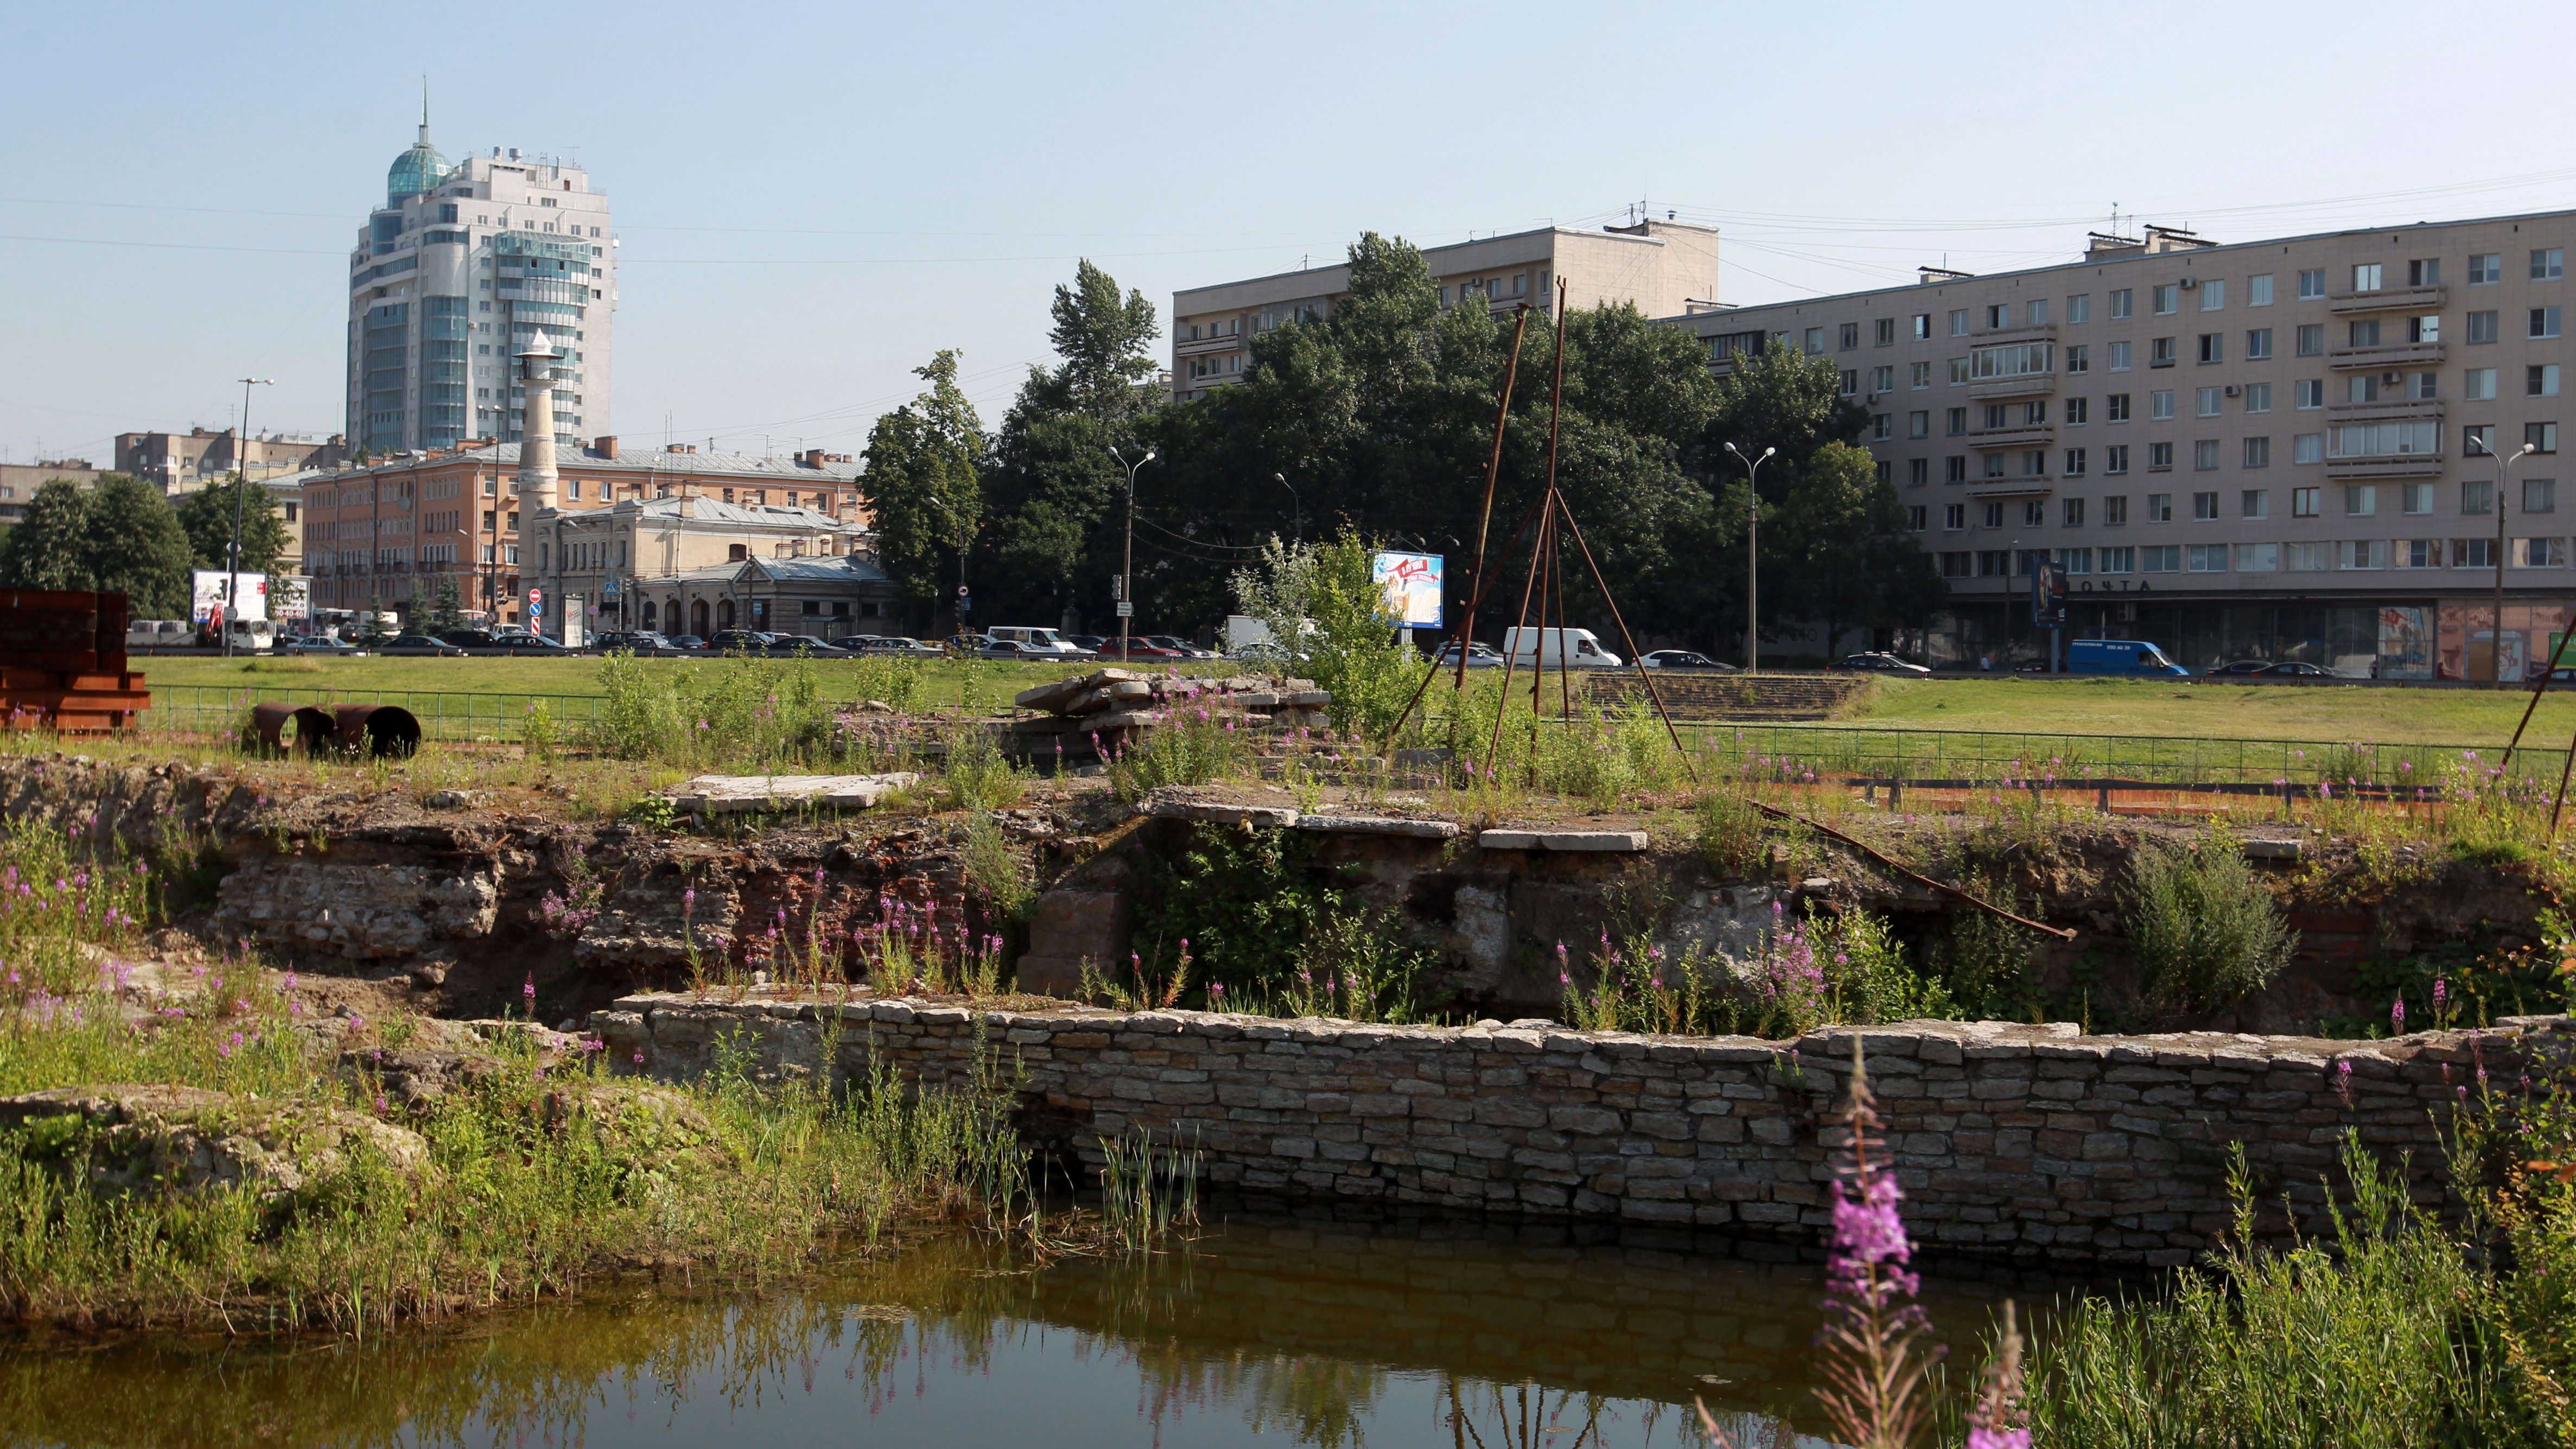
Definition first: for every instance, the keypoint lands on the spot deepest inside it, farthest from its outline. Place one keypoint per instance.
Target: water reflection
(1268, 1334)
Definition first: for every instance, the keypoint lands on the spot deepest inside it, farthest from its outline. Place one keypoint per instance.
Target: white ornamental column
(537, 480)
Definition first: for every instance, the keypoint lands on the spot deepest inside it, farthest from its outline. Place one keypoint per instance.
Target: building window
(2540, 380)
(1998, 317)
(1849, 337)
(2312, 284)
(2160, 457)
(2360, 500)
(1850, 384)
(2160, 405)
(2539, 553)
(2258, 397)
(2539, 495)
(1955, 469)
(2213, 295)
(2160, 352)
(1884, 335)
(2417, 553)
(2120, 304)
(1918, 472)
(2160, 559)
(2034, 514)
(2483, 328)
(2363, 334)
(1994, 465)
(2426, 272)
(2478, 440)
(1958, 372)
(2208, 400)
(2115, 408)
(2478, 384)
(2424, 329)
(2206, 558)
(1880, 427)
(2258, 290)
(2415, 497)
(2486, 269)
(2477, 497)
(2540, 437)
(2159, 508)
(2168, 299)
(2473, 553)
(1958, 421)
(2115, 459)
(2548, 265)
(2258, 558)
(2034, 463)
(2312, 393)
(1994, 515)
(1959, 322)
(1954, 517)
(2258, 452)
(2072, 513)
(1815, 342)
(2119, 357)
(2359, 553)
(1882, 379)
(2079, 359)
(2078, 409)
(2079, 309)
(2312, 339)
(1922, 326)
(2075, 462)
(2258, 344)
(2361, 388)
(2255, 503)
(2213, 347)
(1918, 424)
(2365, 276)
(1921, 375)
(2303, 502)
(2544, 321)
(1918, 518)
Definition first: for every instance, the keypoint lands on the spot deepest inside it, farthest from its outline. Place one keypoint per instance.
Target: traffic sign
(1126, 610)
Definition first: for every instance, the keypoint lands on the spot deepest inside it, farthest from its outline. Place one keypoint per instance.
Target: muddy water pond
(1252, 1333)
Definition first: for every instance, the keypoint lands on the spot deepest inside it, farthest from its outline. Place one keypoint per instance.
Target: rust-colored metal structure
(345, 729)
(62, 663)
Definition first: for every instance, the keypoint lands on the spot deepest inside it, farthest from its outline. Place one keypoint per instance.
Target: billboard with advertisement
(1413, 587)
(206, 590)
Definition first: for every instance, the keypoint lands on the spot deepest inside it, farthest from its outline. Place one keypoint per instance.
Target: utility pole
(1127, 565)
(241, 497)
(1753, 555)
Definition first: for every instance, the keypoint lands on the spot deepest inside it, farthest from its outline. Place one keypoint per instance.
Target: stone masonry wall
(2011, 1141)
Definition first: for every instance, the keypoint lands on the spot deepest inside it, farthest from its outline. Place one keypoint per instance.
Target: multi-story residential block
(2302, 448)
(19, 482)
(383, 535)
(178, 463)
(461, 264)
(1663, 267)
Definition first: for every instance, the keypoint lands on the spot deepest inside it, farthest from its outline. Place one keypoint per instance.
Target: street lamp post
(1753, 554)
(241, 495)
(1127, 566)
(1296, 505)
(2504, 469)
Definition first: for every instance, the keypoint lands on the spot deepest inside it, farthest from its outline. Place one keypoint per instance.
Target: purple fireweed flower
(2397, 1017)
(639, 1059)
(2441, 992)
(2343, 1080)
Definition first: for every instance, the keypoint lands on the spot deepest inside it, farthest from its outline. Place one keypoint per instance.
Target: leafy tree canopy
(117, 535)
(207, 517)
(921, 480)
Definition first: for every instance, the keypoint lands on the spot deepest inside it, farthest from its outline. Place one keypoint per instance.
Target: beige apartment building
(1663, 267)
(178, 463)
(386, 534)
(19, 482)
(2275, 449)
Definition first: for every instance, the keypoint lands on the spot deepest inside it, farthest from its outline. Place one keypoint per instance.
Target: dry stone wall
(2011, 1141)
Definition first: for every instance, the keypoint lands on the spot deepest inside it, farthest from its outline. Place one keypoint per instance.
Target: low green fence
(450, 716)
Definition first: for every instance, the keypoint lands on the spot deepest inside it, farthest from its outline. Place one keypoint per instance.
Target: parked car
(2299, 669)
(1875, 662)
(1684, 659)
(1479, 656)
(902, 647)
(1579, 648)
(1040, 643)
(322, 644)
(993, 648)
(805, 644)
(748, 641)
(1138, 647)
(1183, 648)
(1089, 642)
(421, 645)
(2241, 666)
(2118, 656)
(523, 643)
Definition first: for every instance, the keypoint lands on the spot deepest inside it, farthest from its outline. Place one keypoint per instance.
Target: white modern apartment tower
(461, 266)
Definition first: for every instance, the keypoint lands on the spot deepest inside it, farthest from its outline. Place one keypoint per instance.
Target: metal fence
(448, 716)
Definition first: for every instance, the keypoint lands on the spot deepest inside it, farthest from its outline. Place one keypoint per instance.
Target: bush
(1332, 619)
(743, 716)
(1730, 835)
(1187, 748)
(2202, 929)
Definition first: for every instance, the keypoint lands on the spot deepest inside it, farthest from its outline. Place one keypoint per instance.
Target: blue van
(2119, 656)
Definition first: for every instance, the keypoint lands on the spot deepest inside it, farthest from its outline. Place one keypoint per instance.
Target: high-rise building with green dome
(464, 261)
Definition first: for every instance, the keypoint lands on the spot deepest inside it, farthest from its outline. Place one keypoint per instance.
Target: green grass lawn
(2172, 709)
(2180, 709)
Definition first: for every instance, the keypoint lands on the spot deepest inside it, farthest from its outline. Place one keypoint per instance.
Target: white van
(256, 636)
(1039, 642)
(1578, 648)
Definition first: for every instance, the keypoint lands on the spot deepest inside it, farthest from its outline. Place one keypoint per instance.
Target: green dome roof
(415, 171)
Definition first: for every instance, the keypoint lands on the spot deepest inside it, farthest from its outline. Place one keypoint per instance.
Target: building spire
(424, 110)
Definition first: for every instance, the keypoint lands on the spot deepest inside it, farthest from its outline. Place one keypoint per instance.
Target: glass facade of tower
(385, 353)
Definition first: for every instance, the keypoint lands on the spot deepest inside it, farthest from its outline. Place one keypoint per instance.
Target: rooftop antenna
(424, 108)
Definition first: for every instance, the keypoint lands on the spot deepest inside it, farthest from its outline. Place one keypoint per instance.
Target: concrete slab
(737, 794)
(1215, 814)
(1382, 825)
(1592, 840)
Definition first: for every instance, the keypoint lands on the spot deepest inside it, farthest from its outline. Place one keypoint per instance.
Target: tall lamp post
(1753, 554)
(241, 495)
(2504, 468)
(1127, 566)
(1296, 505)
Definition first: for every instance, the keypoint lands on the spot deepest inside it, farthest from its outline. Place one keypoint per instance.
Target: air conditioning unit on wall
(2189, 282)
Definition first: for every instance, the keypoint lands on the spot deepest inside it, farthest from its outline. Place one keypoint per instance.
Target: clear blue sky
(814, 198)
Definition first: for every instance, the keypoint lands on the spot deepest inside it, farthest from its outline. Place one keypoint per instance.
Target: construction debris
(1109, 700)
(740, 794)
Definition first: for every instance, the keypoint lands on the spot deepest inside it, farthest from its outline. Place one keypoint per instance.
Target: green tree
(117, 535)
(1842, 553)
(207, 516)
(1781, 398)
(1323, 605)
(49, 546)
(921, 481)
(134, 546)
(445, 610)
(1052, 489)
